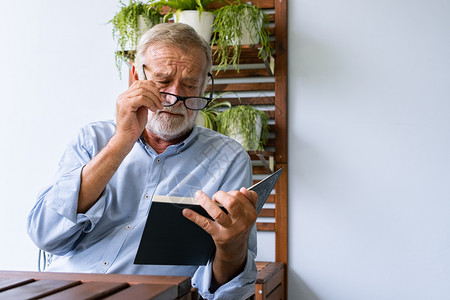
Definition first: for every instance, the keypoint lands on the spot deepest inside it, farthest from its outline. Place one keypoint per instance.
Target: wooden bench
(270, 282)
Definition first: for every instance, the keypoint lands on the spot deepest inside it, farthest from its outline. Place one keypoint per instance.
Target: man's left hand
(230, 231)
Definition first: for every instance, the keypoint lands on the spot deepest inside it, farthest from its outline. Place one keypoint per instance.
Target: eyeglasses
(192, 103)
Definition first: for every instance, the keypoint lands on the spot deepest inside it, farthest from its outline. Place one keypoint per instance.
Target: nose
(169, 99)
(173, 89)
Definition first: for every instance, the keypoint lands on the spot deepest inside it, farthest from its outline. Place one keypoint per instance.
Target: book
(171, 239)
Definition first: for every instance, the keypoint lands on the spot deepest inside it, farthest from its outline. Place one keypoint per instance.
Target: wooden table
(67, 286)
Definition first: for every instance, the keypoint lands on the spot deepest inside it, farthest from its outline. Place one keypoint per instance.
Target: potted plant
(237, 24)
(191, 12)
(129, 24)
(208, 116)
(245, 124)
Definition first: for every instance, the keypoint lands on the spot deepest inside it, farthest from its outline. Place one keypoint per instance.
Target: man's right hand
(132, 109)
(132, 114)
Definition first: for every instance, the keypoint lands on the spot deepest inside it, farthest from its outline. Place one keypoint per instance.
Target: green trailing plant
(213, 110)
(227, 32)
(241, 120)
(180, 5)
(126, 31)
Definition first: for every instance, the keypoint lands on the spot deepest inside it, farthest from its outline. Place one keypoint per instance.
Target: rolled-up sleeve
(240, 287)
(54, 224)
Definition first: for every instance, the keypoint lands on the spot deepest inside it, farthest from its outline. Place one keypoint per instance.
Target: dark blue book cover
(171, 239)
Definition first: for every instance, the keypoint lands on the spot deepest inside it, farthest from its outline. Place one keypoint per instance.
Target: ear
(134, 76)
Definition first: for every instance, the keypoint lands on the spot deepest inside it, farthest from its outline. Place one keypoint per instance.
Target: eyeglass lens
(191, 102)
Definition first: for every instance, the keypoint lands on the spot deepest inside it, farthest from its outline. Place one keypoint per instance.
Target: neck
(159, 144)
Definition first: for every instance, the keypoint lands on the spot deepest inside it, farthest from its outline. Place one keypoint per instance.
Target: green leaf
(227, 32)
(126, 27)
(241, 119)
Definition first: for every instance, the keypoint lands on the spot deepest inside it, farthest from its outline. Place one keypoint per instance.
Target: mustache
(178, 109)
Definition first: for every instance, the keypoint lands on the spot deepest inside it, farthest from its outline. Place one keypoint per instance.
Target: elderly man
(92, 216)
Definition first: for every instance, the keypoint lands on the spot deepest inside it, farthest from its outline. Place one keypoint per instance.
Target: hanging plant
(129, 24)
(241, 120)
(230, 22)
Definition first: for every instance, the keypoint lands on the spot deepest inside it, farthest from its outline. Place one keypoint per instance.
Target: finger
(204, 223)
(252, 196)
(148, 93)
(133, 99)
(233, 202)
(213, 210)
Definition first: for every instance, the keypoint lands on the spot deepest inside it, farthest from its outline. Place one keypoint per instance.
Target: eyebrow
(186, 79)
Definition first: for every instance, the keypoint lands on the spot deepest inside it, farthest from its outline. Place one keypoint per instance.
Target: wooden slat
(89, 290)
(240, 87)
(260, 226)
(254, 154)
(267, 269)
(273, 282)
(270, 143)
(250, 60)
(260, 170)
(249, 54)
(249, 100)
(271, 199)
(151, 291)
(267, 213)
(270, 114)
(183, 282)
(276, 294)
(37, 289)
(9, 283)
(243, 73)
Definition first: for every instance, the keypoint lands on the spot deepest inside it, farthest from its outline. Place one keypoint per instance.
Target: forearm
(98, 172)
(226, 267)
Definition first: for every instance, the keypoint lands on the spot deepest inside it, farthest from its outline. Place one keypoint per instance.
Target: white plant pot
(238, 137)
(201, 23)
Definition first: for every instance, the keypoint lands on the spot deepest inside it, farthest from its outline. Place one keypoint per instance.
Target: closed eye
(190, 86)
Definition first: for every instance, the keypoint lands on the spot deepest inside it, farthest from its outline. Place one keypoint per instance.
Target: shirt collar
(189, 140)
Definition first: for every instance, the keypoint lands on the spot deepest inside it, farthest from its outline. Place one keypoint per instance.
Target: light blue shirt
(105, 239)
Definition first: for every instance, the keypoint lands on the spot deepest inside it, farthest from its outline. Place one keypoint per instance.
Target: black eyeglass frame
(182, 98)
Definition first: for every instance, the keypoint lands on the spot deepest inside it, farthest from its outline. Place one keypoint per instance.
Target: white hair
(177, 35)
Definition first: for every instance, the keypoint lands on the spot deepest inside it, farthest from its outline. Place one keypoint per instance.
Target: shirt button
(146, 196)
(105, 263)
(128, 227)
(158, 160)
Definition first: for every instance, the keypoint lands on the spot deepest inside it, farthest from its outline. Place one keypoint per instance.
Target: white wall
(368, 119)
(369, 142)
(57, 73)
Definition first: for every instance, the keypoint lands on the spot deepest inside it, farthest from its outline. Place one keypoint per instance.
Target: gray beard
(168, 127)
